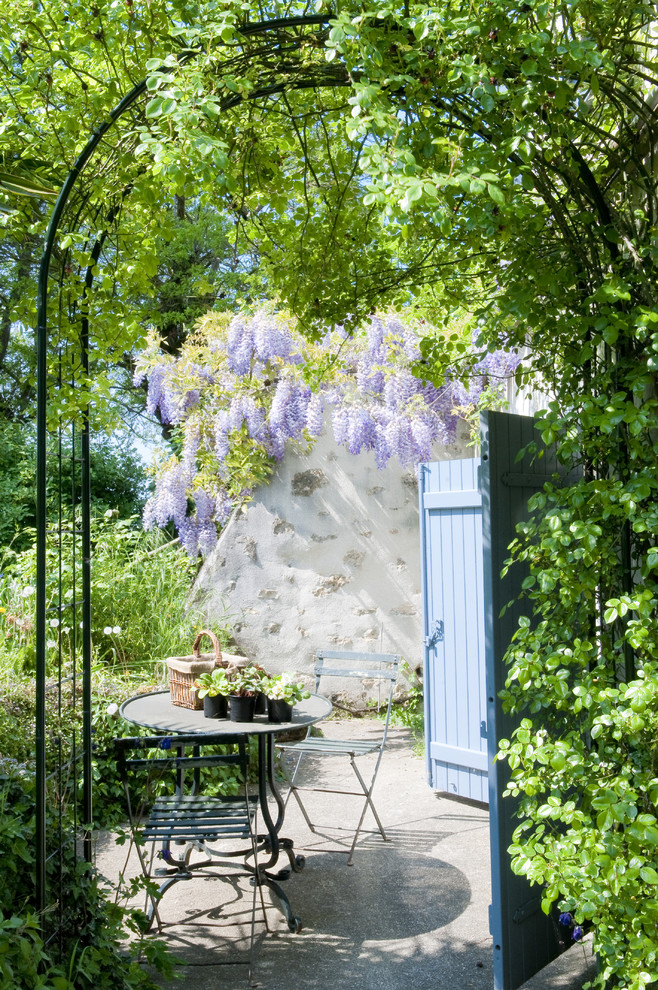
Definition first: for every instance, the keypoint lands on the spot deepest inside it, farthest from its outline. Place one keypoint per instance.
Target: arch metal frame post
(79, 760)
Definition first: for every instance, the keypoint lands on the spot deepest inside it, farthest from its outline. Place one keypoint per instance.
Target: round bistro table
(155, 711)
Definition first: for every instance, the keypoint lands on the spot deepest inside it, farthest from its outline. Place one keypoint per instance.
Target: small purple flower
(340, 422)
(565, 918)
(223, 506)
(315, 415)
(165, 743)
(577, 933)
(207, 537)
(239, 345)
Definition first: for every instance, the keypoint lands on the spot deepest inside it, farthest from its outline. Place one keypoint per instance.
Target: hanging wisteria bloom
(247, 386)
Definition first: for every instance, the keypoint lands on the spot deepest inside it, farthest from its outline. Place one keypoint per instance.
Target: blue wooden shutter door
(463, 549)
(453, 634)
(524, 938)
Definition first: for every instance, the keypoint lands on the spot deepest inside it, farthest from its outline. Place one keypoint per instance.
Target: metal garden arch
(64, 785)
(64, 807)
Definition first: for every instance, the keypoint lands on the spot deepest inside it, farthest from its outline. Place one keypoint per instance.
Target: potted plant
(213, 687)
(282, 693)
(244, 684)
(261, 694)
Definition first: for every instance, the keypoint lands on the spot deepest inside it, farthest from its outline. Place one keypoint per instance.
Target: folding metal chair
(381, 668)
(186, 821)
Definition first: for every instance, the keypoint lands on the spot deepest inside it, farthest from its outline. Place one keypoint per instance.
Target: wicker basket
(183, 672)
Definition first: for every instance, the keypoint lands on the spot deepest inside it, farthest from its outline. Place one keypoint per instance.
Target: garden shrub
(140, 602)
(118, 481)
(92, 940)
(409, 713)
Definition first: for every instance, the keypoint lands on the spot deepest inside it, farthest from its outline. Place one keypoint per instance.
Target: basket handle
(215, 643)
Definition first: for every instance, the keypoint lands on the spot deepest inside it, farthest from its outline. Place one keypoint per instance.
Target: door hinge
(436, 634)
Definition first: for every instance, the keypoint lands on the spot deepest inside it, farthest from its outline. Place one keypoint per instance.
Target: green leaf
(496, 193)
(154, 107)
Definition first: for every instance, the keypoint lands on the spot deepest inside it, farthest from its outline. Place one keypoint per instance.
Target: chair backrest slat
(366, 666)
(184, 739)
(179, 761)
(349, 655)
(184, 762)
(366, 673)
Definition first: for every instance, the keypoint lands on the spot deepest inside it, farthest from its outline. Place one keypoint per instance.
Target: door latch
(436, 634)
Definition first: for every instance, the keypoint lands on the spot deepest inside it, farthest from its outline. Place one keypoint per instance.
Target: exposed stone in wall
(249, 547)
(407, 608)
(327, 554)
(306, 482)
(329, 585)
(411, 482)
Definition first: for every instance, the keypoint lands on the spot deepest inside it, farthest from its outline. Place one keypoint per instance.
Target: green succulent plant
(245, 681)
(281, 688)
(212, 683)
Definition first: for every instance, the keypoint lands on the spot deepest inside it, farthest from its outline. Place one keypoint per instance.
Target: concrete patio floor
(411, 912)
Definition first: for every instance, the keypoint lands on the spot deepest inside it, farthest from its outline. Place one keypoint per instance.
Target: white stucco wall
(326, 555)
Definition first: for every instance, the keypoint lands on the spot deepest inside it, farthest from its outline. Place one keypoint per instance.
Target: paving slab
(409, 912)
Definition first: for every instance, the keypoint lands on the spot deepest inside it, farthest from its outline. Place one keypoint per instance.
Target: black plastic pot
(216, 707)
(261, 704)
(279, 710)
(241, 707)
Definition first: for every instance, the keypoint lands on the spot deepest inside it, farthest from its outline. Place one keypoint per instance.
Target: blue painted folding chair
(381, 669)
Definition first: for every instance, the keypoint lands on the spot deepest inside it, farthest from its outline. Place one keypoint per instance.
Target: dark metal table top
(155, 711)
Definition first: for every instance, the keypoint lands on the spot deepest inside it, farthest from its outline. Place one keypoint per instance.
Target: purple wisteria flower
(156, 377)
(256, 383)
(220, 436)
(293, 420)
(191, 446)
(315, 415)
(169, 502)
(361, 431)
(273, 340)
(340, 421)
(240, 346)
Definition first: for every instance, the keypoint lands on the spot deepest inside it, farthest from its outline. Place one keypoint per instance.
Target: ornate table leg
(273, 843)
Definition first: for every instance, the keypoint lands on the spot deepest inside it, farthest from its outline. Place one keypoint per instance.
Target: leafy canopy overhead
(485, 151)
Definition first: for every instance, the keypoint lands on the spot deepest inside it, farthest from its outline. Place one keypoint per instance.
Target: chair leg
(368, 793)
(252, 936)
(151, 913)
(293, 790)
(367, 804)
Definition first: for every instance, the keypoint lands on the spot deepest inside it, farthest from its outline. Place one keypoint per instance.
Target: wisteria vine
(246, 386)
